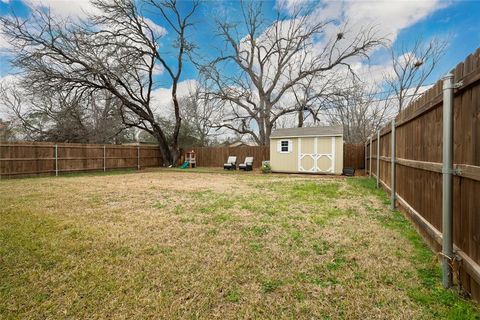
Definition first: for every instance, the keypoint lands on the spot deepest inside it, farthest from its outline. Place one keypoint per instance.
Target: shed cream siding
(306, 152)
(307, 146)
(284, 161)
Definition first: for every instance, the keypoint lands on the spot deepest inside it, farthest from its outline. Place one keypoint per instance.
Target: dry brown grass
(165, 244)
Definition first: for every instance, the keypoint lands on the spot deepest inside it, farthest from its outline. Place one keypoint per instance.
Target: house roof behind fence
(307, 132)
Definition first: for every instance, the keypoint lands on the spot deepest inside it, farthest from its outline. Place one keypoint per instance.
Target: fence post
(447, 170)
(370, 158)
(365, 147)
(56, 160)
(104, 159)
(138, 157)
(378, 158)
(392, 158)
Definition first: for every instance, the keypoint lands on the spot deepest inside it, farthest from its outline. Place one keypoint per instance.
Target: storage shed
(310, 149)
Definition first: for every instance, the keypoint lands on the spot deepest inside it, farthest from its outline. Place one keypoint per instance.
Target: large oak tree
(117, 51)
(271, 68)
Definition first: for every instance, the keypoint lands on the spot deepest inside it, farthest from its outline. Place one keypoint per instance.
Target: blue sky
(403, 21)
(458, 23)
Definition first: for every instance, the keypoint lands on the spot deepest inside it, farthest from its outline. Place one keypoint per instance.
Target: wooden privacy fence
(416, 174)
(23, 159)
(217, 156)
(353, 155)
(32, 158)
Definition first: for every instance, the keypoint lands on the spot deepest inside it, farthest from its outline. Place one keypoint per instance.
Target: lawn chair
(247, 165)
(231, 163)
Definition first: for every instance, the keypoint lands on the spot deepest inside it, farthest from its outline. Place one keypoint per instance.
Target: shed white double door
(316, 154)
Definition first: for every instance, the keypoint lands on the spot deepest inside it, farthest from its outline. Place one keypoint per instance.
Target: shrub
(266, 168)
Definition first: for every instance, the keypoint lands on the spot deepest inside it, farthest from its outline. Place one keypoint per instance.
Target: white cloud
(158, 30)
(162, 97)
(350, 17)
(7, 81)
(65, 8)
(412, 96)
(158, 69)
(290, 5)
(5, 45)
(372, 73)
(390, 17)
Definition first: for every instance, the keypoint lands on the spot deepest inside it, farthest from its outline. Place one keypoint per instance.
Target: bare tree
(201, 113)
(311, 99)
(359, 110)
(411, 68)
(116, 51)
(260, 75)
(7, 130)
(56, 116)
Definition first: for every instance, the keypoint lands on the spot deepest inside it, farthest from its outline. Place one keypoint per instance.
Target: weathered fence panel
(217, 156)
(32, 158)
(418, 165)
(354, 155)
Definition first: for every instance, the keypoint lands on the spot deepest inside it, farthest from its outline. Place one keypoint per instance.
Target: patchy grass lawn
(168, 244)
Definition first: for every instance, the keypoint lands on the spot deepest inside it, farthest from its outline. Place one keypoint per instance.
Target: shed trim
(299, 165)
(308, 131)
(309, 136)
(334, 150)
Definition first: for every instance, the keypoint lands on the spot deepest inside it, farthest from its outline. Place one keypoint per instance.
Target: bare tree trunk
(300, 118)
(178, 120)
(165, 151)
(268, 132)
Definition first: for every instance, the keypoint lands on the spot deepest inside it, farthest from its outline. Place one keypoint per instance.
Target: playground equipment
(190, 159)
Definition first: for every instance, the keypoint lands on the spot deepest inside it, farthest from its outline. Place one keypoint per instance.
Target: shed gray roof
(307, 131)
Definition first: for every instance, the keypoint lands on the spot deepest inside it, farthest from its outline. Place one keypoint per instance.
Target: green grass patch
(255, 246)
(314, 190)
(256, 230)
(270, 285)
(233, 296)
(159, 205)
(219, 202)
(112, 172)
(36, 250)
(321, 247)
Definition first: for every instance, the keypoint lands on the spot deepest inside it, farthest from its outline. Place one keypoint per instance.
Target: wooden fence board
(354, 155)
(419, 164)
(31, 158)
